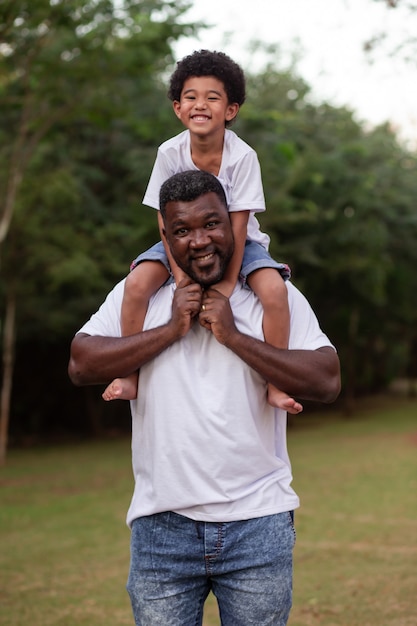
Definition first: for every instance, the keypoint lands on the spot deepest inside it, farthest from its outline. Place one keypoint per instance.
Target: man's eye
(181, 232)
(211, 224)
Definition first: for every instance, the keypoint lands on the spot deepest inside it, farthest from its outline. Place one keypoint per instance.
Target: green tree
(340, 210)
(340, 199)
(66, 66)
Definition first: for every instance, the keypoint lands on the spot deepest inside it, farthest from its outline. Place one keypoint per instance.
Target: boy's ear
(231, 111)
(177, 108)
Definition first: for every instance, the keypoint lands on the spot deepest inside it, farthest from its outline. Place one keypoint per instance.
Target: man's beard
(212, 279)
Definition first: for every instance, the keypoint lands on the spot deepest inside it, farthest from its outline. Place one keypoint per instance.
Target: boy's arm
(177, 272)
(239, 221)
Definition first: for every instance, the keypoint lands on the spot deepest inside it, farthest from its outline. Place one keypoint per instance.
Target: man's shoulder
(106, 321)
(243, 298)
(160, 306)
(116, 294)
(295, 296)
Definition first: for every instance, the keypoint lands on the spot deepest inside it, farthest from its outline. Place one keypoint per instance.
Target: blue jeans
(176, 562)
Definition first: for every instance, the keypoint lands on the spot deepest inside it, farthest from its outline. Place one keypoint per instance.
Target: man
(212, 505)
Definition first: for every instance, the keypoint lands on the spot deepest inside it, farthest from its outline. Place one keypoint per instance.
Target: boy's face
(203, 107)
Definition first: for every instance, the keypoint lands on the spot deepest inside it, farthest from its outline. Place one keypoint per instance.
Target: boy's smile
(203, 106)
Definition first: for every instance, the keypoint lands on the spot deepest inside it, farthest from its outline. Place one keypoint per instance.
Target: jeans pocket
(291, 518)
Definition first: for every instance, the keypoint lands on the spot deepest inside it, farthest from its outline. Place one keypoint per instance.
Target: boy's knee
(145, 279)
(269, 286)
(133, 279)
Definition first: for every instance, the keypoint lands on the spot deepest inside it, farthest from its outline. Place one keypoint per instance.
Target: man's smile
(202, 260)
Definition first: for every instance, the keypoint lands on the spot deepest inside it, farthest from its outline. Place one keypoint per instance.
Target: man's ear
(161, 225)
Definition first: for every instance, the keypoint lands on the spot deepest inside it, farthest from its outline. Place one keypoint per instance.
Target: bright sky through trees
(330, 38)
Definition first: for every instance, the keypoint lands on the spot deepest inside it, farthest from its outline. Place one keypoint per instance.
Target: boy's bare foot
(122, 389)
(282, 401)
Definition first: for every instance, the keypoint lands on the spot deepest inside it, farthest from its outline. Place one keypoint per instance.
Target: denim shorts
(176, 562)
(255, 257)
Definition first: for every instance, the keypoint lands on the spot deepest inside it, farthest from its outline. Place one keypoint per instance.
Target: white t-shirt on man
(205, 442)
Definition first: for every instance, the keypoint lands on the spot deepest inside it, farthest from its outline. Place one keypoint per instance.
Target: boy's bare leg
(272, 292)
(140, 284)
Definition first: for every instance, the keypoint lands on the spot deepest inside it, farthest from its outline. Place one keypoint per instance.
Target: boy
(207, 89)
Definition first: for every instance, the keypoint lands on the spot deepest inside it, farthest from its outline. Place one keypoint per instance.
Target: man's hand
(308, 374)
(99, 359)
(186, 305)
(216, 315)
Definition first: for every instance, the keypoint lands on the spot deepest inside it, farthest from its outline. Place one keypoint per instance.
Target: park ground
(65, 546)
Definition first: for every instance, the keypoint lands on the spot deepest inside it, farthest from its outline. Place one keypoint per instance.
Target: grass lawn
(65, 547)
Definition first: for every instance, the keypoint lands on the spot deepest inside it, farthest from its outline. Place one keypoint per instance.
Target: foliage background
(83, 107)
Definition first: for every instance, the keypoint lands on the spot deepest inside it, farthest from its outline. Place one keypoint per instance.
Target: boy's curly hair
(207, 63)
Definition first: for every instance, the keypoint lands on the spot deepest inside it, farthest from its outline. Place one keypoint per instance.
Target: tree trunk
(8, 363)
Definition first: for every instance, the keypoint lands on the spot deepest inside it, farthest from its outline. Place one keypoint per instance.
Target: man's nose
(199, 238)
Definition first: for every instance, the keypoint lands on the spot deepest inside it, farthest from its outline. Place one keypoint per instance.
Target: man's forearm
(96, 360)
(305, 374)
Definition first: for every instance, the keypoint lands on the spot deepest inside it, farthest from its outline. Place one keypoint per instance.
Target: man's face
(200, 237)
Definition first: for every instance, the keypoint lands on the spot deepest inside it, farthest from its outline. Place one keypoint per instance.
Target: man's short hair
(189, 185)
